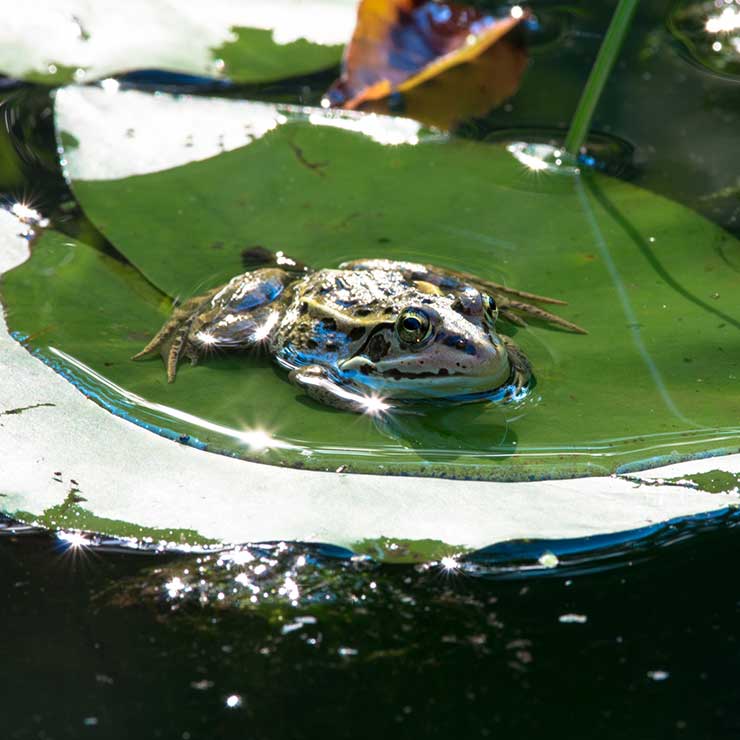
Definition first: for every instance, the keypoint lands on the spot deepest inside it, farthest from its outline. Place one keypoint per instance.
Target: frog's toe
(150, 349)
(178, 347)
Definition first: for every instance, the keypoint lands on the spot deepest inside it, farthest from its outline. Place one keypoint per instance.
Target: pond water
(167, 647)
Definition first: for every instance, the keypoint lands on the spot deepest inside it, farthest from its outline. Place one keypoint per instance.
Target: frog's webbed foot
(512, 302)
(319, 383)
(507, 309)
(237, 315)
(521, 370)
(173, 339)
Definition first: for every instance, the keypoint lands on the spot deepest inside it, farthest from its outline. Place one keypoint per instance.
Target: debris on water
(658, 675)
(203, 685)
(297, 624)
(572, 619)
(548, 560)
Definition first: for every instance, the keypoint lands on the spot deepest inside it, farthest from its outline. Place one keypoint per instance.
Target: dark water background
(96, 643)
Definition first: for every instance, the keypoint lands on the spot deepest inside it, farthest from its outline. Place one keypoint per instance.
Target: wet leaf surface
(651, 382)
(258, 41)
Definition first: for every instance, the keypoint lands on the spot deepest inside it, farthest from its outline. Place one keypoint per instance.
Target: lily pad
(654, 381)
(58, 41)
(76, 467)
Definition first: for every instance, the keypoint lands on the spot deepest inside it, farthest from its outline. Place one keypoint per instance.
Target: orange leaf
(449, 61)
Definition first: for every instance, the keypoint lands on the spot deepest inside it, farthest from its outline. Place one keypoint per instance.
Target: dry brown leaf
(448, 61)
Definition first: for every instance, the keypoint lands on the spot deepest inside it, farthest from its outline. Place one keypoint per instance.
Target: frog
(369, 336)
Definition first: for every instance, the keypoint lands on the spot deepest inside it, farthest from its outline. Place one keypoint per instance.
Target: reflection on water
(431, 651)
(447, 438)
(286, 579)
(710, 32)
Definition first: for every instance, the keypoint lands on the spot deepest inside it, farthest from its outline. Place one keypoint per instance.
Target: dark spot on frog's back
(357, 333)
(328, 324)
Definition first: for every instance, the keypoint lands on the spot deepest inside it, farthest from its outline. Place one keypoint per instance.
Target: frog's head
(437, 346)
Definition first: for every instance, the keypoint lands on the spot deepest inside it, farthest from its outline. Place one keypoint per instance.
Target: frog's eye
(490, 309)
(413, 326)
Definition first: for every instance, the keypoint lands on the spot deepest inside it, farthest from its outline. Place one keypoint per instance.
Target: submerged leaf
(449, 61)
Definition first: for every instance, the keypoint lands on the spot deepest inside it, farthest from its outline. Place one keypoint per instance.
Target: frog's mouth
(438, 383)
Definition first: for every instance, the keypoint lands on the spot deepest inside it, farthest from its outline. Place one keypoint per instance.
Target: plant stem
(602, 67)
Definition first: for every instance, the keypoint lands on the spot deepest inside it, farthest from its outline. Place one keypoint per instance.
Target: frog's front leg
(321, 385)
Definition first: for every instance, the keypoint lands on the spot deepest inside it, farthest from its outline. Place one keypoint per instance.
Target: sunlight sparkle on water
(263, 332)
(449, 564)
(174, 587)
(258, 439)
(543, 158)
(726, 22)
(381, 129)
(110, 85)
(375, 405)
(234, 701)
(75, 540)
(27, 214)
(530, 160)
(548, 560)
(516, 11)
(205, 338)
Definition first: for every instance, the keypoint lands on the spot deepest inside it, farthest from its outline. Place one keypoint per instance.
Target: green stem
(602, 67)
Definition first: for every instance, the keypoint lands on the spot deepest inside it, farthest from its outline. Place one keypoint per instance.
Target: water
(640, 641)
(121, 644)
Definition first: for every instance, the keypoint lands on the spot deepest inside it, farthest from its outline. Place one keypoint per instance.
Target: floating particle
(572, 619)
(658, 675)
(548, 560)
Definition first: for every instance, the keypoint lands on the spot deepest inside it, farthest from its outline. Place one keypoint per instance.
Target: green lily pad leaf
(75, 467)
(655, 380)
(251, 42)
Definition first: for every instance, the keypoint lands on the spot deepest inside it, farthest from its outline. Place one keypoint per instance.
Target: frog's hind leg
(174, 324)
(498, 288)
(511, 301)
(508, 307)
(238, 315)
